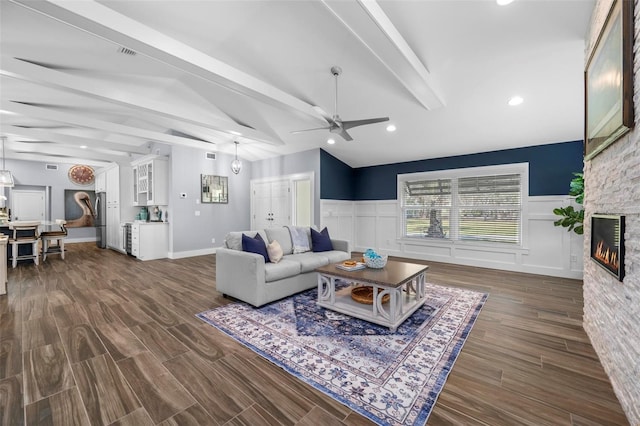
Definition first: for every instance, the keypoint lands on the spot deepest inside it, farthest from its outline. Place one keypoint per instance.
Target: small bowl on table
(376, 262)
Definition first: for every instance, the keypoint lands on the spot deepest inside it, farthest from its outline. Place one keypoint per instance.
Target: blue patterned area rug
(390, 378)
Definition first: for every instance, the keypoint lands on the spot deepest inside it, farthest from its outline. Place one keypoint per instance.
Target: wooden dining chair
(57, 235)
(24, 232)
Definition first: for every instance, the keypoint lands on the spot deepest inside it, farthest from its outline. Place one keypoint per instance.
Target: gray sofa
(247, 277)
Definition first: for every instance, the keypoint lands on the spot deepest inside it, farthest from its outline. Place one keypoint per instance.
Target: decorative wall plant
(570, 217)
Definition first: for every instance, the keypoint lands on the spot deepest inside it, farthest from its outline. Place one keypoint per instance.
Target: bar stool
(24, 232)
(54, 235)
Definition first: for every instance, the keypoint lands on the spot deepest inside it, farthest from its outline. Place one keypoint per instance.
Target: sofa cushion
(283, 237)
(255, 245)
(233, 240)
(275, 251)
(335, 256)
(308, 261)
(283, 269)
(320, 241)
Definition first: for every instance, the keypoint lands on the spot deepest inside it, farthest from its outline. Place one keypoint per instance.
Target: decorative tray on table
(365, 295)
(351, 265)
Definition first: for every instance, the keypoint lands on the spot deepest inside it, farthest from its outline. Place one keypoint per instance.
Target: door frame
(292, 200)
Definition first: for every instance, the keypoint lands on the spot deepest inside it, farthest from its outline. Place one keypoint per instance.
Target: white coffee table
(403, 282)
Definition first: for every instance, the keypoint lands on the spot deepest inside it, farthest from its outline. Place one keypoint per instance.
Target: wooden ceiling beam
(91, 123)
(368, 23)
(108, 24)
(30, 72)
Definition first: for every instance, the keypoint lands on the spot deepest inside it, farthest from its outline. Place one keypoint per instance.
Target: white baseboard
(191, 253)
(80, 240)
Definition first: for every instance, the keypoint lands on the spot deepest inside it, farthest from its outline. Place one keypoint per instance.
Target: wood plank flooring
(103, 339)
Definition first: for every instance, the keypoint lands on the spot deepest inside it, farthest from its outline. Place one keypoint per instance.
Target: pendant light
(236, 165)
(5, 175)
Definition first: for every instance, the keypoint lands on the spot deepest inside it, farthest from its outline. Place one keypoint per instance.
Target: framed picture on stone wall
(609, 81)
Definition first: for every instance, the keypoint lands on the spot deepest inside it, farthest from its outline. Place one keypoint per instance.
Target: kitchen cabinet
(114, 236)
(113, 185)
(101, 181)
(151, 181)
(118, 189)
(150, 240)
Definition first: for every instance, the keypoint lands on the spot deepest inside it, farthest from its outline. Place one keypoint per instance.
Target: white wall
(34, 175)
(547, 250)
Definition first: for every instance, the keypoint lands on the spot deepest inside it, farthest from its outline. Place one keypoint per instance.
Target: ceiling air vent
(126, 51)
(51, 167)
(210, 155)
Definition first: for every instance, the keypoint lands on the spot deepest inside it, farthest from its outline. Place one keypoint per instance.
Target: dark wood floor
(101, 339)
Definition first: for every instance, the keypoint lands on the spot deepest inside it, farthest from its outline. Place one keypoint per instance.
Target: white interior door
(27, 205)
(271, 203)
(261, 195)
(280, 204)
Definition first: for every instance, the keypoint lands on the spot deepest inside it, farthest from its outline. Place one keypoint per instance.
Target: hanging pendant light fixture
(236, 165)
(5, 175)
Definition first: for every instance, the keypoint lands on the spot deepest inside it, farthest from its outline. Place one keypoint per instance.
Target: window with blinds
(470, 208)
(427, 208)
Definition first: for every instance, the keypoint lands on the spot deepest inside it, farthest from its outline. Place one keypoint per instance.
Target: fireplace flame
(607, 256)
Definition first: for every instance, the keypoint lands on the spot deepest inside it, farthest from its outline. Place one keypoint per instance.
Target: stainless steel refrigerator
(101, 219)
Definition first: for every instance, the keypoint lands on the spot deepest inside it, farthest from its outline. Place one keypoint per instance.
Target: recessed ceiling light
(503, 2)
(233, 132)
(516, 100)
(83, 146)
(391, 128)
(331, 141)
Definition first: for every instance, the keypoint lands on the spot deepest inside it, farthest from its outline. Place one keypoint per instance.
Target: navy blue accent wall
(550, 171)
(336, 178)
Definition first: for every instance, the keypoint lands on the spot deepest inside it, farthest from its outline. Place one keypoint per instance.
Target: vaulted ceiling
(100, 81)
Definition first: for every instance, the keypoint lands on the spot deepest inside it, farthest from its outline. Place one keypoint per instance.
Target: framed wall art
(215, 189)
(609, 81)
(78, 208)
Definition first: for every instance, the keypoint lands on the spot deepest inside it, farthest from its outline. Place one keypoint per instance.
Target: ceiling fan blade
(324, 114)
(353, 123)
(346, 136)
(308, 130)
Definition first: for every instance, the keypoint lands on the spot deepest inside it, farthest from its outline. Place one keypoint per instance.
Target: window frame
(514, 168)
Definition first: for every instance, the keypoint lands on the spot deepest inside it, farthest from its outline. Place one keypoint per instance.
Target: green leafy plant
(570, 217)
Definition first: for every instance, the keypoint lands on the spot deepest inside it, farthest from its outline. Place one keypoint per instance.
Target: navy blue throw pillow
(320, 241)
(255, 245)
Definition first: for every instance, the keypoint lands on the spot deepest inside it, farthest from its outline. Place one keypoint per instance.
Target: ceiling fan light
(391, 128)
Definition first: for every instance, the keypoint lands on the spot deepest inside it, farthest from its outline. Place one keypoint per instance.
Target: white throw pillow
(275, 251)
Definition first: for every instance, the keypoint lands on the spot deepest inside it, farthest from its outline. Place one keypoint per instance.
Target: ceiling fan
(336, 124)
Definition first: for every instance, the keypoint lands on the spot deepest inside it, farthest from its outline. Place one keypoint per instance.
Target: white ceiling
(441, 70)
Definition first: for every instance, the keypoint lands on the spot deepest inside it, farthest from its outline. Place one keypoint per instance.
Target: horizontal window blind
(427, 207)
(477, 208)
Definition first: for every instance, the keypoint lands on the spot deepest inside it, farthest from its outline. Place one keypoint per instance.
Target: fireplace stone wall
(612, 186)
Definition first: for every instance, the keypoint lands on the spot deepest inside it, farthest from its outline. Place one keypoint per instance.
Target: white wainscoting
(546, 250)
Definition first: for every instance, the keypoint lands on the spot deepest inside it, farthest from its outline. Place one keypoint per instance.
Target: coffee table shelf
(403, 282)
